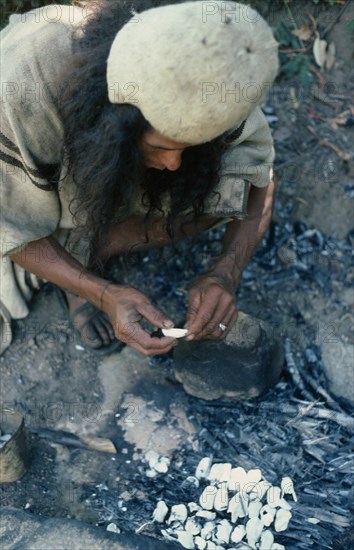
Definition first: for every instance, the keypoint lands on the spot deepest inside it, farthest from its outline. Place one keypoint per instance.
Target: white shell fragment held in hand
(174, 332)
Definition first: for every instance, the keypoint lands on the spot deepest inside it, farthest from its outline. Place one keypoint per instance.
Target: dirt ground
(135, 401)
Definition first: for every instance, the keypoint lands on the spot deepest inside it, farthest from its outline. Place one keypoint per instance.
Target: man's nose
(172, 160)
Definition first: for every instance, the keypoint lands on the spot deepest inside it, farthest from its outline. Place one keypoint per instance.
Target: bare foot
(93, 325)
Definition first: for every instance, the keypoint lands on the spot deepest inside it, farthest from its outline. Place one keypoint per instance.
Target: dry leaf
(331, 56)
(304, 32)
(319, 51)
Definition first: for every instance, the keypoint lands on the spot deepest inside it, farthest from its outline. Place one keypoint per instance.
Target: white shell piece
(277, 546)
(206, 499)
(287, 487)
(207, 530)
(254, 528)
(238, 478)
(273, 496)
(267, 515)
(174, 332)
(254, 508)
(200, 543)
(221, 500)
(259, 490)
(162, 465)
(267, 539)
(113, 528)
(238, 533)
(151, 473)
(223, 531)
(152, 457)
(185, 539)
(193, 481)
(160, 512)
(211, 545)
(179, 513)
(203, 468)
(219, 473)
(314, 521)
(206, 515)
(238, 507)
(282, 519)
(193, 507)
(5, 437)
(192, 526)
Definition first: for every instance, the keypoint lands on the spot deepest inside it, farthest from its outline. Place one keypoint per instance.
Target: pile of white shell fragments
(236, 509)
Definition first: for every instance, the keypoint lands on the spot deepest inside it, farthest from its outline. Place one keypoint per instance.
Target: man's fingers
(201, 320)
(195, 300)
(139, 339)
(154, 316)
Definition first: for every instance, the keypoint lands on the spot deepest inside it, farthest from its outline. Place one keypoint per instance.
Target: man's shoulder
(42, 36)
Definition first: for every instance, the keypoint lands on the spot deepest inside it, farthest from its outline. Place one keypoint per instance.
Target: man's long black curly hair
(101, 139)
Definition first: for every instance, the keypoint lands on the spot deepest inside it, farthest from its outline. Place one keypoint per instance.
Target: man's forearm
(242, 237)
(47, 259)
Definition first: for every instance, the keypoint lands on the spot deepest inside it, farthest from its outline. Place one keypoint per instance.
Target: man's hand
(211, 301)
(127, 307)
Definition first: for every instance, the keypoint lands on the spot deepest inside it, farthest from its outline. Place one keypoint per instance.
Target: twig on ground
(294, 371)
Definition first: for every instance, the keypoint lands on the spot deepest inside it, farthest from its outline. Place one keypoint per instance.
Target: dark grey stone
(243, 366)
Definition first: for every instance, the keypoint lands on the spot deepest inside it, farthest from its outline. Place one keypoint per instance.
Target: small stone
(113, 528)
(178, 513)
(151, 473)
(160, 512)
(282, 519)
(276, 546)
(6, 437)
(207, 497)
(203, 468)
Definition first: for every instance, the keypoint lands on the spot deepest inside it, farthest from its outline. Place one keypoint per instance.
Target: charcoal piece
(243, 366)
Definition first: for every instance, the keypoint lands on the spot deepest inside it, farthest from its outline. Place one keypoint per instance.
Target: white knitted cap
(195, 70)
